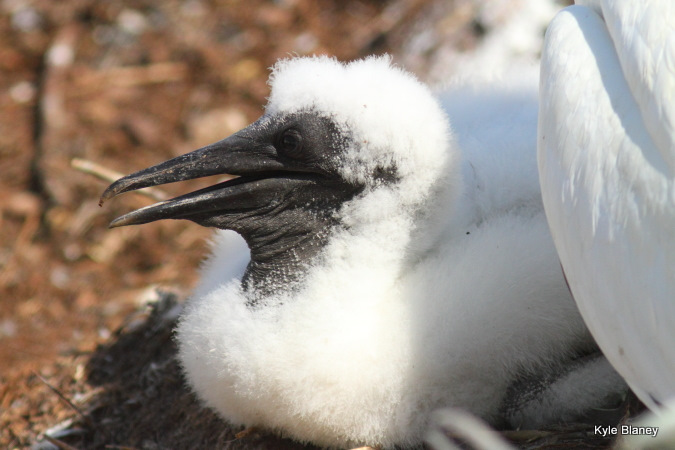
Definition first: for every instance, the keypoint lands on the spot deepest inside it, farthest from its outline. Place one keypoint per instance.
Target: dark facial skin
(283, 203)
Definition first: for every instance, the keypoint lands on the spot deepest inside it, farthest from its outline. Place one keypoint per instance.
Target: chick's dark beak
(241, 154)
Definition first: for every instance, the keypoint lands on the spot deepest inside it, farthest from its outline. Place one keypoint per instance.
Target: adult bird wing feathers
(606, 158)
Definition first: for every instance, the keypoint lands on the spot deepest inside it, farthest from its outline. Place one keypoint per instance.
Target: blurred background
(130, 83)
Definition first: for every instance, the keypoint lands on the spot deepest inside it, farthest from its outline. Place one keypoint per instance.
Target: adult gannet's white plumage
(396, 264)
(607, 165)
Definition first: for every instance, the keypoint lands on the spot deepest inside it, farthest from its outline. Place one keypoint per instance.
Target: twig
(105, 174)
(452, 423)
(524, 435)
(131, 76)
(246, 432)
(120, 447)
(60, 444)
(86, 418)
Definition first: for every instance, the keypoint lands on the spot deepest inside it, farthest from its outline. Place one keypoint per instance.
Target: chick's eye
(291, 142)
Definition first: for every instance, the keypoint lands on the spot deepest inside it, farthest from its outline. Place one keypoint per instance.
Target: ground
(127, 84)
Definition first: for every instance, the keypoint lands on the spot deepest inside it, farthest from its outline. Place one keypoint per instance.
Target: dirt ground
(127, 84)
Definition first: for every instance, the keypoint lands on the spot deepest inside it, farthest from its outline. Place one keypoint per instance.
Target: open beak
(240, 154)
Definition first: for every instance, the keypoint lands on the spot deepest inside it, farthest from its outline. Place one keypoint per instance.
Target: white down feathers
(437, 290)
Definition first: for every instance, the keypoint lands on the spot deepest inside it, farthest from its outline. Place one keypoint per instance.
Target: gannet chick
(397, 264)
(607, 164)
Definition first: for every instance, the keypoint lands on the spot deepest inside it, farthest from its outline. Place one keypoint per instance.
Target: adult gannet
(606, 152)
(396, 265)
